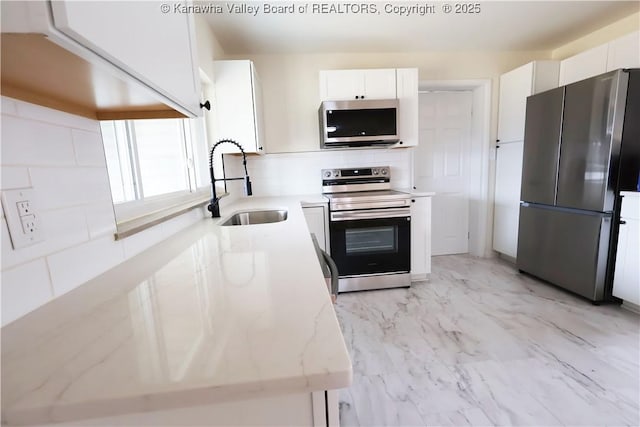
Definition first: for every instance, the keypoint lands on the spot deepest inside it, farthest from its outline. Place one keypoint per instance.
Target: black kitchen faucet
(214, 206)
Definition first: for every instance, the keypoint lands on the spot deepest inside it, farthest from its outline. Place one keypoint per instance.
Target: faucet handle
(247, 186)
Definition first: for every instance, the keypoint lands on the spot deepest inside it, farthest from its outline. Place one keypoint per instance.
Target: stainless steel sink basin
(256, 217)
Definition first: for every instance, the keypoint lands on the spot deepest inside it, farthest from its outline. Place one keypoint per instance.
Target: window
(151, 161)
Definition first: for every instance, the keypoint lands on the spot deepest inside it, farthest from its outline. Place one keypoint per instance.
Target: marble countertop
(213, 313)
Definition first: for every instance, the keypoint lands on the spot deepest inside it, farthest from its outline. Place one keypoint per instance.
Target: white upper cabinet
(339, 85)
(584, 65)
(624, 52)
(407, 92)
(107, 59)
(515, 87)
(154, 47)
(237, 106)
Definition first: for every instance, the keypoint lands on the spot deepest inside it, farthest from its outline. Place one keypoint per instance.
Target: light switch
(23, 219)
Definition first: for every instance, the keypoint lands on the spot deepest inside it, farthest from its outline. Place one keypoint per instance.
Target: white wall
(61, 156)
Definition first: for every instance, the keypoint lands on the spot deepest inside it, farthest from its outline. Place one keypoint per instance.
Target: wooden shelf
(36, 70)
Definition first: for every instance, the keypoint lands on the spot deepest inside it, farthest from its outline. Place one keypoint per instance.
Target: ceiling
(499, 26)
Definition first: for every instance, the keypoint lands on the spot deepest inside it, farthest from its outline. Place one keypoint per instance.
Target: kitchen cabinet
(237, 106)
(507, 198)
(337, 85)
(104, 60)
(420, 237)
(407, 93)
(626, 281)
(515, 87)
(624, 52)
(317, 221)
(384, 83)
(586, 64)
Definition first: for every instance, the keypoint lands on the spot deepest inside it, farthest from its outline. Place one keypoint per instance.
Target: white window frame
(143, 212)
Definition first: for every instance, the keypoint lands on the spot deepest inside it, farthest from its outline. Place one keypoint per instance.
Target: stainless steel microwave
(360, 123)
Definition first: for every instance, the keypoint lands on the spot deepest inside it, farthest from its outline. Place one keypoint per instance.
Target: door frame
(480, 226)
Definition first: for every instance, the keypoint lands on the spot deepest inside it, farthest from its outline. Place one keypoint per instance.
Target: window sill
(132, 226)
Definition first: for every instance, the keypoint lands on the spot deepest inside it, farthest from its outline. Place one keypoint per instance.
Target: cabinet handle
(413, 200)
(361, 96)
(357, 97)
(206, 105)
(401, 142)
(260, 148)
(497, 140)
(622, 222)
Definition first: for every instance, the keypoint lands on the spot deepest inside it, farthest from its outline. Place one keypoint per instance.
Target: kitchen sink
(256, 217)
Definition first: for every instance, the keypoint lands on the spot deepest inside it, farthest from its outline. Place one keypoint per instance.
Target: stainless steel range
(370, 228)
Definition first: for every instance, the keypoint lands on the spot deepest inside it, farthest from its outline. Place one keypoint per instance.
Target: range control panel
(383, 172)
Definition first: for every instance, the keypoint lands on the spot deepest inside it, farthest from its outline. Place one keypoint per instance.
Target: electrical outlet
(24, 207)
(28, 224)
(21, 212)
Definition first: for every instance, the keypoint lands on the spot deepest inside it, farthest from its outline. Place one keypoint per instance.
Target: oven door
(371, 245)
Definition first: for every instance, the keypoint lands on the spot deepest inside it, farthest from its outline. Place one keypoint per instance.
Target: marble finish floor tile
(480, 344)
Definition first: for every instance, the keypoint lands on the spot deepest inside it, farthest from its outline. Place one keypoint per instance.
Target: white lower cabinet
(507, 198)
(316, 217)
(626, 282)
(420, 238)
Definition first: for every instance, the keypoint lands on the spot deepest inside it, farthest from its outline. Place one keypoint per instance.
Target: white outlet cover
(19, 236)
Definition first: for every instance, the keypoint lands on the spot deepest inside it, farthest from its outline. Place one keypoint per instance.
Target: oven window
(371, 240)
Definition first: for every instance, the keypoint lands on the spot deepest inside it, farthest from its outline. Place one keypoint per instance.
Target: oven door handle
(370, 204)
(371, 214)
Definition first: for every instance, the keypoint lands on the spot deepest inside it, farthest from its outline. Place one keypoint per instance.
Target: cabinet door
(155, 48)
(316, 221)
(515, 86)
(624, 52)
(420, 238)
(234, 105)
(507, 198)
(338, 85)
(626, 281)
(407, 93)
(379, 84)
(584, 65)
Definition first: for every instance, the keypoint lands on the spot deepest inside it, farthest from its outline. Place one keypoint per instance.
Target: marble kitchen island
(215, 325)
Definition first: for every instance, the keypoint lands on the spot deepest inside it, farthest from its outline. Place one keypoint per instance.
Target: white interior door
(441, 164)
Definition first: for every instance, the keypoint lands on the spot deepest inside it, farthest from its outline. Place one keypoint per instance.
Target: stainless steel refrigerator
(581, 148)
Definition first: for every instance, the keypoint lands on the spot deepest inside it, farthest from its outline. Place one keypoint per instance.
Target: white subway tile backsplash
(74, 266)
(100, 219)
(43, 114)
(300, 173)
(64, 187)
(24, 289)
(61, 156)
(88, 148)
(9, 106)
(137, 243)
(25, 142)
(61, 229)
(14, 177)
